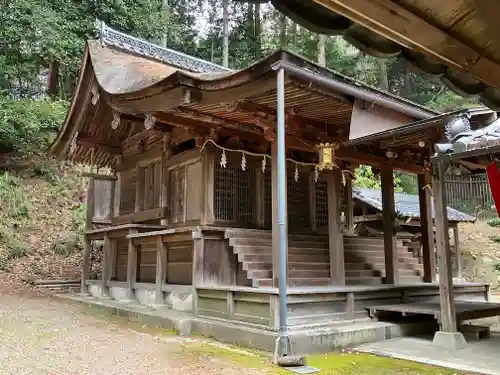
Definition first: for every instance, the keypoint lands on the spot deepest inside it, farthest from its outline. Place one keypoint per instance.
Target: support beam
(456, 242)
(427, 226)
(336, 240)
(161, 270)
(448, 335)
(411, 31)
(349, 209)
(388, 210)
(87, 249)
(131, 266)
(90, 204)
(106, 265)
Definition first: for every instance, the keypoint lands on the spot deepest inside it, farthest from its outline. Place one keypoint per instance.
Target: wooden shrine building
(198, 152)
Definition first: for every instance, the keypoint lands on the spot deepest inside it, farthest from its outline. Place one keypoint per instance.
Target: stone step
(259, 274)
(379, 259)
(356, 266)
(356, 247)
(367, 240)
(267, 234)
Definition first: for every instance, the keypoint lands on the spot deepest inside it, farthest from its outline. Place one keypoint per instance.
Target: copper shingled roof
(453, 40)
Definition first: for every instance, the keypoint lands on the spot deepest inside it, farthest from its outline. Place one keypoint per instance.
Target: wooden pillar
(458, 256)
(427, 226)
(113, 259)
(90, 204)
(390, 239)
(349, 209)
(198, 266)
(336, 240)
(164, 175)
(131, 266)
(161, 270)
(448, 315)
(106, 266)
(117, 189)
(87, 249)
(139, 189)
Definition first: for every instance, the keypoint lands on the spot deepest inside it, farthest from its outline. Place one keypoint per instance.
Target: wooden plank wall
(121, 259)
(180, 263)
(185, 190)
(127, 191)
(102, 199)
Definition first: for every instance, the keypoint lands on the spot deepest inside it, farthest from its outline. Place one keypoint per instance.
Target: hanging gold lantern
(326, 153)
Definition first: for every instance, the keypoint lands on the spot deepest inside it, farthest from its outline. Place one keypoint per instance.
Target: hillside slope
(42, 213)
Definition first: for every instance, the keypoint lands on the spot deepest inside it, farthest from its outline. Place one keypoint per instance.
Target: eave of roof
(390, 30)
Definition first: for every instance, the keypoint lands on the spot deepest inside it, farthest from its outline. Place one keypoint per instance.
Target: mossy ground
(331, 364)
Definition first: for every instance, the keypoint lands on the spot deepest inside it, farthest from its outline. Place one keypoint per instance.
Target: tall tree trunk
(225, 34)
(382, 72)
(251, 27)
(322, 49)
(282, 30)
(53, 79)
(293, 36)
(166, 10)
(258, 48)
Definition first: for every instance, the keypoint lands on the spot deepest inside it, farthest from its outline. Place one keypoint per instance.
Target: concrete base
(449, 340)
(304, 341)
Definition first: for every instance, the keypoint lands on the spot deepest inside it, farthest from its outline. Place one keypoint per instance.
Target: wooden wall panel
(121, 260)
(193, 191)
(219, 264)
(180, 263)
(147, 263)
(127, 194)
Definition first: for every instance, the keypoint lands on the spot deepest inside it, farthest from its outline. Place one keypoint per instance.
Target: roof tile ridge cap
(106, 40)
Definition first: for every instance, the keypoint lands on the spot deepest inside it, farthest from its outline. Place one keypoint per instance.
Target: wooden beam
(161, 270)
(87, 250)
(446, 293)
(131, 266)
(140, 216)
(106, 265)
(394, 22)
(336, 240)
(90, 204)
(349, 214)
(388, 210)
(95, 143)
(427, 227)
(357, 157)
(458, 255)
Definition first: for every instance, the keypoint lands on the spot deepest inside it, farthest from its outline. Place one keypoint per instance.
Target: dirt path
(44, 336)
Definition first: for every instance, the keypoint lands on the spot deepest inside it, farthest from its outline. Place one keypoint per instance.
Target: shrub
(495, 239)
(495, 222)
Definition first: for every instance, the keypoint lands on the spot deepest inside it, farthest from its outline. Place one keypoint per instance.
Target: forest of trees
(41, 44)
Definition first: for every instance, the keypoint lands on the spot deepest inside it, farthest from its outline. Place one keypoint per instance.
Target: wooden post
(456, 242)
(105, 266)
(113, 259)
(167, 153)
(390, 239)
(118, 189)
(275, 228)
(349, 214)
(161, 267)
(87, 249)
(427, 227)
(198, 266)
(336, 240)
(131, 266)
(448, 315)
(90, 204)
(139, 189)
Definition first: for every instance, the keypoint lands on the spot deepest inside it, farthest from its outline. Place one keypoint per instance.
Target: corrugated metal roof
(406, 204)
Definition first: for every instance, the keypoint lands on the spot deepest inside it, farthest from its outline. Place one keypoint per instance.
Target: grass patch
(495, 238)
(331, 364)
(495, 222)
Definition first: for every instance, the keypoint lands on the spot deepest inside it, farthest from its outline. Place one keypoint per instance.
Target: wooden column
(131, 267)
(336, 240)
(448, 315)
(349, 214)
(87, 249)
(197, 271)
(161, 270)
(113, 259)
(139, 189)
(167, 152)
(90, 204)
(456, 241)
(117, 190)
(388, 211)
(427, 226)
(106, 263)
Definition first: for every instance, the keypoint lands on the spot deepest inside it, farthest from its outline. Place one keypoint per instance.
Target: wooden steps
(309, 259)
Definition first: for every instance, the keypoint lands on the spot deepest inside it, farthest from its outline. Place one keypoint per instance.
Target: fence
(468, 193)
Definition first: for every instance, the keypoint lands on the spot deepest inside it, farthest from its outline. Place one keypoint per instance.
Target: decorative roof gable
(128, 43)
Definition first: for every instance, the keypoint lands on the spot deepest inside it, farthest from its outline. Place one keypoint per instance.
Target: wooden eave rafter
(92, 142)
(392, 21)
(357, 157)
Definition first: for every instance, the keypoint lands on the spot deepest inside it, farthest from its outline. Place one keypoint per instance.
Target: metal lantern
(326, 153)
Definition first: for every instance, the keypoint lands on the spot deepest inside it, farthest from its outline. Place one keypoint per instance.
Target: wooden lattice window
(321, 203)
(298, 201)
(234, 193)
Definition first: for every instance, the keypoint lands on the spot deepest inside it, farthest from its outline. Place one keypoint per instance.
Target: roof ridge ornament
(111, 37)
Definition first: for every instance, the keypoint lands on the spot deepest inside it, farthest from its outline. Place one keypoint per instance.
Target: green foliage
(496, 267)
(28, 126)
(72, 242)
(495, 222)
(495, 239)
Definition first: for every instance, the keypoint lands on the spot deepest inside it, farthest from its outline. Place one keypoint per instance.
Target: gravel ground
(44, 336)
